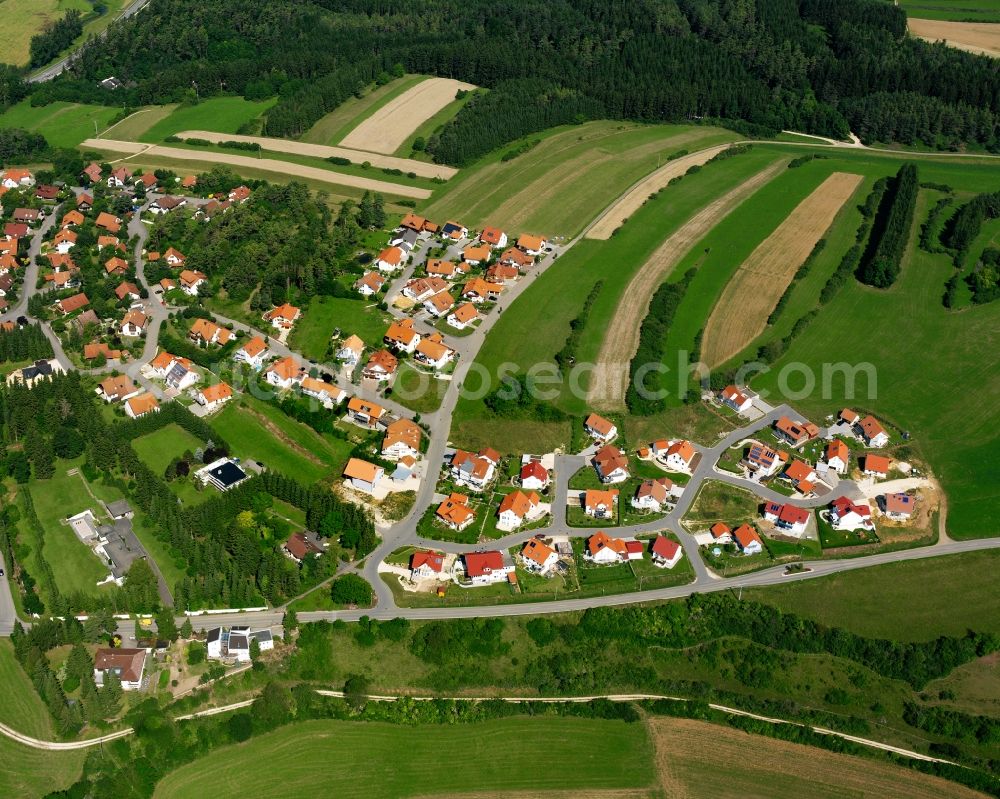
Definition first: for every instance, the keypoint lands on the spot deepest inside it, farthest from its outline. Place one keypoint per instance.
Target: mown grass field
(555, 298)
(312, 332)
(956, 10)
(74, 565)
(22, 708)
(28, 773)
(62, 124)
(221, 114)
(136, 124)
(311, 759)
(25, 18)
(158, 448)
(332, 127)
(565, 181)
(255, 429)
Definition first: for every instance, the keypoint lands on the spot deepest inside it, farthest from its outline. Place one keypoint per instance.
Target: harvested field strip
(386, 129)
(136, 124)
(750, 295)
(420, 168)
(973, 37)
(607, 389)
(332, 127)
(692, 758)
(265, 164)
(627, 205)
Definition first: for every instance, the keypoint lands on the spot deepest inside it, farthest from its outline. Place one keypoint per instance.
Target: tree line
(881, 263)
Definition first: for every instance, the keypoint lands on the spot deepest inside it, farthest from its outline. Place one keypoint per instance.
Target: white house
(678, 456)
(425, 565)
(538, 557)
(191, 281)
(534, 476)
(134, 323)
(284, 373)
(735, 398)
(655, 493)
(789, 519)
(390, 259)
(214, 397)
(666, 553)
(328, 394)
(486, 568)
(402, 336)
(837, 456)
(253, 353)
(600, 503)
(848, 515)
(463, 316)
(748, 540)
(138, 406)
(282, 317)
(602, 548)
(350, 350)
(610, 464)
(233, 643)
(474, 470)
(871, 432)
(362, 475)
(517, 507)
(599, 428)
(126, 664)
(402, 439)
(433, 352)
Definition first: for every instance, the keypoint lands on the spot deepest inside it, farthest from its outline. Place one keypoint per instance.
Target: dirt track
(633, 200)
(390, 126)
(265, 164)
(607, 386)
(421, 168)
(741, 312)
(973, 37)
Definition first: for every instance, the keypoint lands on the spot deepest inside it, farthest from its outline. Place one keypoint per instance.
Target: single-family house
(84, 202)
(124, 290)
(433, 352)
(463, 316)
(848, 515)
(517, 507)
(438, 267)
(214, 397)
(350, 350)
(426, 565)
(98, 349)
(64, 241)
(439, 304)
(284, 373)
(167, 284)
(678, 456)
(602, 548)
(166, 204)
(329, 394)
(599, 428)
(92, 172)
(191, 281)
(17, 230)
(534, 476)
(116, 266)
(872, 432)
(486, 568)
(721, 533)
(46, 193)
(72, 219)
(205, 331)
(420, 288)
(27, 216)
(402, 336)
(530, 244)
(762, 459)
(381, 366)
(117, 389)
(748, 540)
(370, 284)
(174, 257)
(478, 290)
(493, 237)
(108, 222)
(17, 178)
(875, 465)
(735, 398)
(107, 240)
(454, 512)
(283, 317)
(655, 493)
(666, 553)
(898, 506)
(503, 274)
(362, 475)
(801, 475)
(126, 664)
(298, 548)
(417, 224)
(515, 257)
(134, 323)
(119, 177)
(69, 304)
(848, 416)
(455, 231)
(177, 372)
(253, 353)
(402, 439)
(793, 433)
(600, 503)
(28, 376)
(538, 557)
(474, 255)
(837, 456)
(390, 259)
(6, 284)
(239, 195)
(138, 406)
(474, 470)
(786, 517)
(610, 464)
(365, 413)
(406, 240)
(147, 181)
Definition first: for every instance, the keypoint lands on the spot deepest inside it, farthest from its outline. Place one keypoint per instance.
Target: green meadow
(62, 124)
(220, 114)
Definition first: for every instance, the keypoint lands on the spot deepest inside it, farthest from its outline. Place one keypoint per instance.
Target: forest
(819, 66)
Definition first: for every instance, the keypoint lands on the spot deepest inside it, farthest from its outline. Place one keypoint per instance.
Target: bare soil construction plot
(633, 200)
(391, 125)
(421, 168)
(741, 312)
(696, 759)
(265, 164)
(973, 37)
(607, 388)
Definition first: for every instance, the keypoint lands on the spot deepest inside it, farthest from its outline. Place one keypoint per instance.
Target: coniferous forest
(821, 66)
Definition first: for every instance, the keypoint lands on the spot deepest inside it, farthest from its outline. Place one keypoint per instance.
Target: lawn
(136, 124)
(332, 127)
(909, 601)
(22, 708)
(955, 10)
(717, 501)
(392, 760)
(220, 114)
(62, 124)
(255, 429)
(567, 179)
(159, 448)
(418, 390)
(74, 565)
(312, 332)
(28, 773)
(25, 18)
